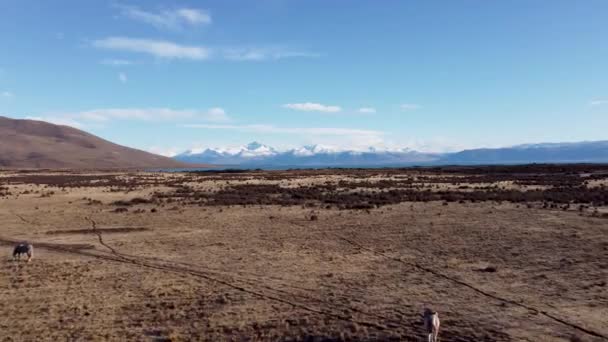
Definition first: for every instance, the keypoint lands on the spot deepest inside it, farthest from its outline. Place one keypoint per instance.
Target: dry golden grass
(267, 273)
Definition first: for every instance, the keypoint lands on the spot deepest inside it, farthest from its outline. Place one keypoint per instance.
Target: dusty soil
(503, 254)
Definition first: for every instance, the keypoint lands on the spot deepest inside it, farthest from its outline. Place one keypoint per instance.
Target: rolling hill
(28, 144)
(578, 152)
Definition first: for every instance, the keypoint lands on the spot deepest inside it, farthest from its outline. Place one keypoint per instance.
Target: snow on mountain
(310, 150)
(256, 154)
(309, 155)
(250, 150)
(256, 149)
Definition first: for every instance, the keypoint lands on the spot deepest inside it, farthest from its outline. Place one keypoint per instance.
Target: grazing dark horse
(431, 324)
(23, 248)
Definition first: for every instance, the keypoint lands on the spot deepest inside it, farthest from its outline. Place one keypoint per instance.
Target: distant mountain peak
(317, 155)
(254, 145)
(256, 153)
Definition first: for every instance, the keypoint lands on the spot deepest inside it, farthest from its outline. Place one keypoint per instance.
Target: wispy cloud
(168, 19)
(117, 62)
(313, 107)
(409, 106)
(57, 120)
(122, 77)
(263, 53)
(217, 114)
(164, 151)
(172, 50)
(156, 48)
(367, 110)
(291, 130)
(348, 138)
(152, 114)
(598, 102)
(7, 94)
(100, 117)
(343, 140)
(194, 16)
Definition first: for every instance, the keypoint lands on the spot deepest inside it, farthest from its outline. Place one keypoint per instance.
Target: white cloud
(194, 16)
(152, 114)
(164, 151)
(217, 114)
(122, 77)
(7, 93)
(168, 19)
(57, 121)
(337, 138)
(370, 141)
(346, 139)
(409, 106)
(172, 50)
(100, 117)
(313, 107)
(433, 145)
(157, 48)
(367, 110)
(598, 102)
(319, 131)
(116, 62)
(262, 53)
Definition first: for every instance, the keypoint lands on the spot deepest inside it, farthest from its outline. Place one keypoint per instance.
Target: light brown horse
(431, 324)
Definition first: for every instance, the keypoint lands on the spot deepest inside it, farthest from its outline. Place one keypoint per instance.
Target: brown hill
(39, 144)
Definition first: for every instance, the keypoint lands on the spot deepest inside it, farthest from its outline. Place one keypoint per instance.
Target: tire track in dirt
(100, 237)
(251, 282)
(116, 256)
(436, 273)
(75, 247)
(242, 276)
(258, 282)
(254, 282)
(23, 218)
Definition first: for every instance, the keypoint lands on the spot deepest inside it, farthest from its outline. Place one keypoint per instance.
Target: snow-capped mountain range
(257, 154)
(310, 155)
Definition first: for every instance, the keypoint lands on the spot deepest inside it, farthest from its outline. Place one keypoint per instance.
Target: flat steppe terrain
(502, 253)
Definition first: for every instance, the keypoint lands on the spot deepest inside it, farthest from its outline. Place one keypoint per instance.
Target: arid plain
(502, 253)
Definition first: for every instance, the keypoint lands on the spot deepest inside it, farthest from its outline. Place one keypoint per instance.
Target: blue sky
(431, 75)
